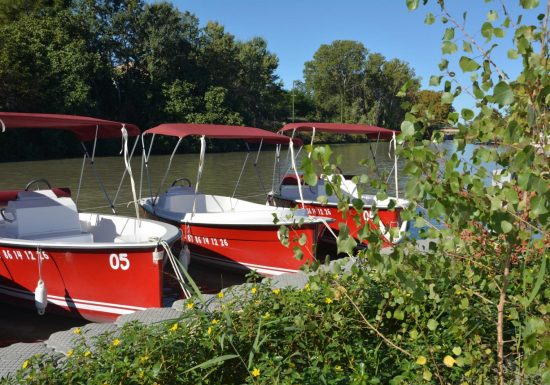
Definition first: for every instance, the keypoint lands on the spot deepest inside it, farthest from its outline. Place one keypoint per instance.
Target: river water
(220, 175)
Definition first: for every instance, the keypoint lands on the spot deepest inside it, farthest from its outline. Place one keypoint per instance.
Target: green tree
(215, 109)
(13, 10)
(45, 66)
(217, 57)
(333, 73)
(257, 87)
(180, 100)
(429, 102)
(165, 56)
(377, 98)
(299, 104)
(350, 85)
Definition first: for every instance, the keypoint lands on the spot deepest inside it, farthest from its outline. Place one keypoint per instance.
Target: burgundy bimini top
(220, 131)
(82, 126)
(371, 132)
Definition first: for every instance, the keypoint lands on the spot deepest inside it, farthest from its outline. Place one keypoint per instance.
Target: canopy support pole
(291, 148)
(129, 169)
(167, 170)
(396, 178)
(276, 169)
(395, 165)
(312, 138)
(257, 171)
(98, 177)
(199, 172)
(145, 161)
(240, 174)
(373, 156)
(81, 175)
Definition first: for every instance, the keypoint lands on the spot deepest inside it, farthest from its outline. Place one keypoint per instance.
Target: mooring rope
(176, 267)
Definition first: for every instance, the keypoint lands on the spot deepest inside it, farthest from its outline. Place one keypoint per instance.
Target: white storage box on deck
(42, 215)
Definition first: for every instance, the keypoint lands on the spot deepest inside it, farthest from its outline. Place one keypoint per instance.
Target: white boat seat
(42, 215)
(179, 199)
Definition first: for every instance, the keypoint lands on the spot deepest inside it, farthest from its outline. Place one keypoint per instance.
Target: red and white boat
(88, 265)
(227, 231)
(291, 193)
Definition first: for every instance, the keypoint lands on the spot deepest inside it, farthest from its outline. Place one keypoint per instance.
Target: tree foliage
(350, 85)
(132, 61)
(494, 199)
(148, 62)
(476, 300)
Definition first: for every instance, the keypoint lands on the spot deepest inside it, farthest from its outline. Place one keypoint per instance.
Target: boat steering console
(186, 180)
(38, 181)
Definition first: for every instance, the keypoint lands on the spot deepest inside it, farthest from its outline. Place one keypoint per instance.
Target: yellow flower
(141, 373)
(328, 300)
(421, 360)
(77, 331)
(116, 342)
(338, 368)
(69, 352)
(88, 353)
(220, 294)
(276, 291)
(190, 305)
(209, 330)
(267, 315)
(174, 327)
(215, 321)
(255, 372)
(253, 290)
(143, 359)
(26, 364)
(306, 287)
(449, 361)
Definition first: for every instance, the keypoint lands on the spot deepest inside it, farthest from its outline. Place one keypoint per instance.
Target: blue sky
(294, 29)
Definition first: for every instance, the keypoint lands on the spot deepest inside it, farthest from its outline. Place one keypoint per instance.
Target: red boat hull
(95, 284)
(246, 248)
(390, 218)
(255, 248)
